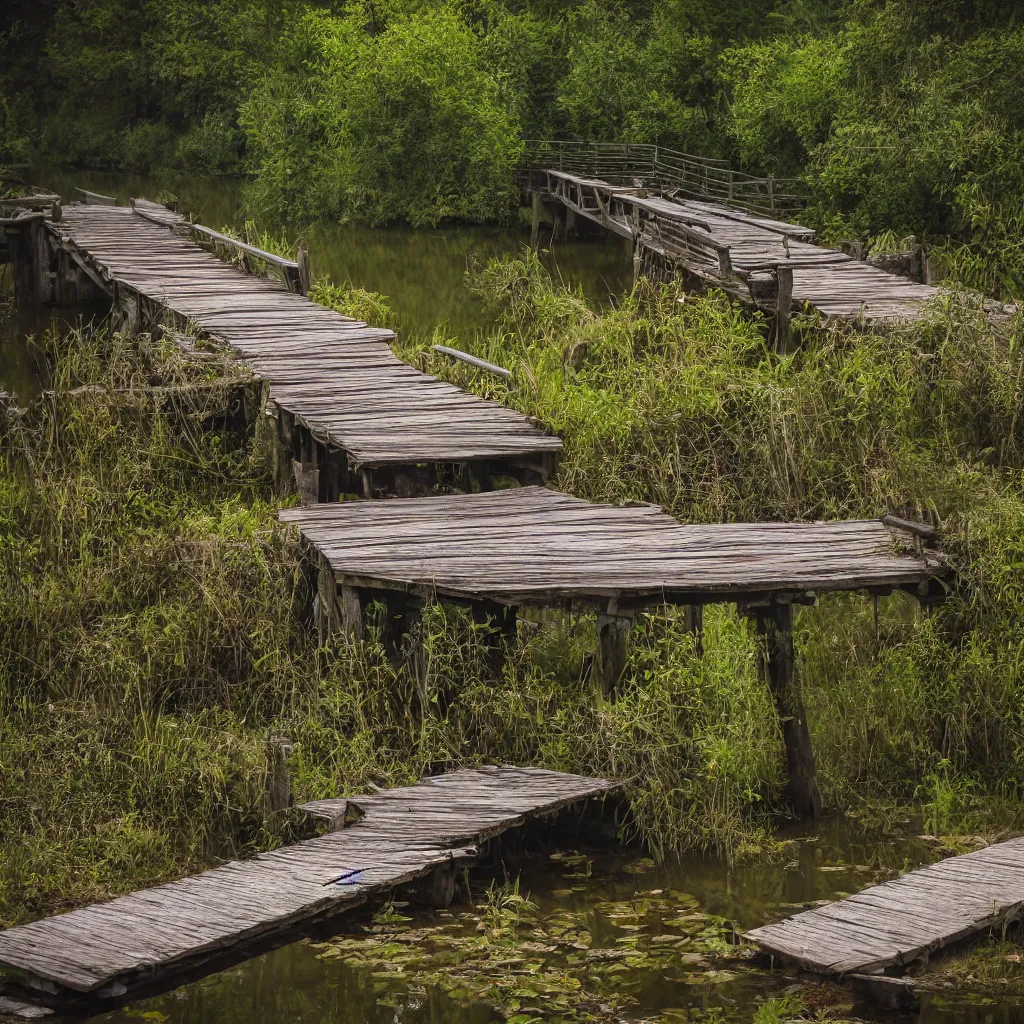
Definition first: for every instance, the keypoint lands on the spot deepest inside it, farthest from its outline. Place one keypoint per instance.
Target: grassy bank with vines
(156, 635)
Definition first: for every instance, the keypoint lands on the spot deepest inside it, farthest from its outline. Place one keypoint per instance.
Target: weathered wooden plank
(402, 834)
(896, 922)
(534, 542)
(335, 375)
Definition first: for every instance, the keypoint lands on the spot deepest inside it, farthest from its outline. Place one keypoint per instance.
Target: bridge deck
(534, 545)
(337, 375)
(829, 281)
(403, 835)
(896, 922)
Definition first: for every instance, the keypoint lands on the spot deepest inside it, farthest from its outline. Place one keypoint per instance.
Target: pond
(421, 272)
(603, 937)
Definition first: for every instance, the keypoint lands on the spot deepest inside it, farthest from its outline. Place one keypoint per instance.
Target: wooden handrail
(480, 364)
(261, 254)
(693, 175)
(96, 198)
(296, 276)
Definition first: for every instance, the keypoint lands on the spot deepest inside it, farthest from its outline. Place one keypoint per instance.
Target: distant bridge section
(667, 171)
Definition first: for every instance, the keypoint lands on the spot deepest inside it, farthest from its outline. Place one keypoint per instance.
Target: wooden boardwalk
(403, 834)
(337, 376)
(740, 251)
(533, 545)
(893, 924)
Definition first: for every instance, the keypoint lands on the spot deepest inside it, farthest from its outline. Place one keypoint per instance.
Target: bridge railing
(667, 170)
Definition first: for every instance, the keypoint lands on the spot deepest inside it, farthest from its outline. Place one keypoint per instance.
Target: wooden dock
(893, 924)
(531, 545)
(329, 375)
(738, 251)
(112, 949)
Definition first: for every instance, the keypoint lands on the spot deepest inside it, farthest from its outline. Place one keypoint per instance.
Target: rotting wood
(480, 364)
(783, 307)
(888, 926)
(531, 545)
(738, 251)
(334, 376)
(402, 835)
(801, 790)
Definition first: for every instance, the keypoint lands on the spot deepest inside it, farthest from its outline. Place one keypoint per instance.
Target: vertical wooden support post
(128, 304)
(783, 308)
(305, 274)
(19, 240)
(328, 608)
(724, 262)
(558, 218)
(771, 193)
(351, 613)
(41, 263)
(497, 630)
(536, 206)
(695, 625)
(399, 632)
(612, 651)
(305, 468)
(776, 626)
(279, 777)
(285, 448)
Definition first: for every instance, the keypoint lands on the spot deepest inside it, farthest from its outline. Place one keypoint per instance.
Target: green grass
(155, 629)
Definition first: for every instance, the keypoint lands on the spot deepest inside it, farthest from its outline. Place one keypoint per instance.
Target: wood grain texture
(403, 835)
(336, 375)
(530, 543)
(896, 922)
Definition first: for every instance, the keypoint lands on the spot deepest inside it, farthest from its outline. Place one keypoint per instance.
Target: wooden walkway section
(403, 834)
(739, 251)
(337, 376)
(536, 546)
(895, 923)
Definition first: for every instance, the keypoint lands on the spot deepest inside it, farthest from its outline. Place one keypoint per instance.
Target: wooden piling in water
(775, 623)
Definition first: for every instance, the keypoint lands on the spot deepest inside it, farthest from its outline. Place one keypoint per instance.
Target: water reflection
(296, 984)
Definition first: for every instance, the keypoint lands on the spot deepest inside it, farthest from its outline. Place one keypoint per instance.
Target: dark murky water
(606, 900)
(421, 272)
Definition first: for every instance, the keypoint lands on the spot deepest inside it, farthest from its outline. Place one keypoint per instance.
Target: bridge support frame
(775, 624)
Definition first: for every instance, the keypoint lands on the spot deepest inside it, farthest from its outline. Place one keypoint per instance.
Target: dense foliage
(905, 115)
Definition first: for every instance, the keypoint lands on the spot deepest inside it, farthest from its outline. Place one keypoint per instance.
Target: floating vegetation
(573, 959)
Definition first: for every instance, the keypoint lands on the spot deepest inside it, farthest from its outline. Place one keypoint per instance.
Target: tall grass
(155, 631)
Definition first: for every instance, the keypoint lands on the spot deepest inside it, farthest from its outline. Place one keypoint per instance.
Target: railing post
(724, 261)
(732, 185)
(783, 307)
(771, 193)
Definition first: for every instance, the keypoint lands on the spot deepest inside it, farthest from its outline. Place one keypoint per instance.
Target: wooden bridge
(665, 170)
(889, 927)
(530, 546)
(769, 264)
(152, 940)
(352, 415)
(353, 419)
